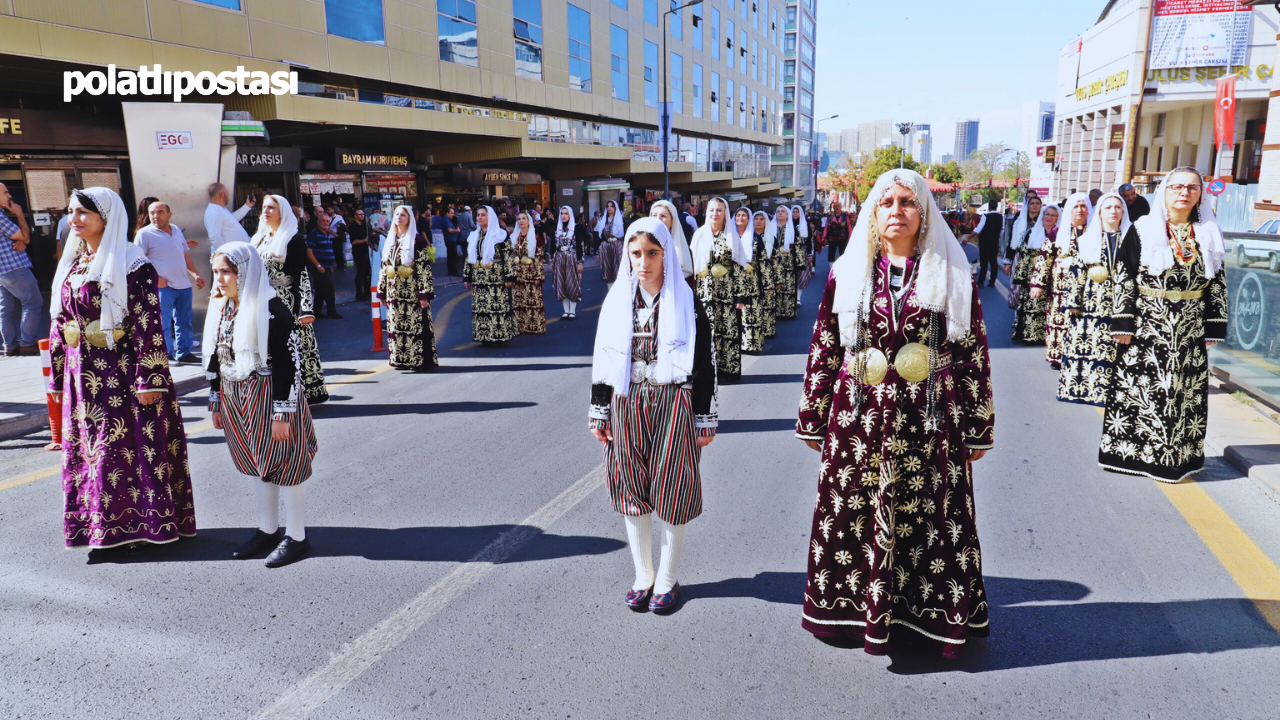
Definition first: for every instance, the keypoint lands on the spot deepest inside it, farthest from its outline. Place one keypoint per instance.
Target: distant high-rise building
(946, 158)
(1037, 125)
(867, 138)
(921, 145)
(966, 138)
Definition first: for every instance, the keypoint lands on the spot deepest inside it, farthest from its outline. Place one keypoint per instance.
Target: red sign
(1224, 113)
(1165, 8)
(174, 140)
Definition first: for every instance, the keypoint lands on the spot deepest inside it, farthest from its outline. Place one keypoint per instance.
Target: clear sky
(939, 61)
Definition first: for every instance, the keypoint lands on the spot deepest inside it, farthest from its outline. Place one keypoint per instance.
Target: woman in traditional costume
(255, 398)
(609, 232)
(897, 398)
(805, 249)
(125, 477)
(721, 269)
(757, 310)
(284, 254)
(1090, 351)
(490, 274)
(531, 313)
(786, 263)
(571, 242)
(1028, 319)
(665, 211)
(1055, 276)
(653, 405)
(1170, 305)
(406, 286)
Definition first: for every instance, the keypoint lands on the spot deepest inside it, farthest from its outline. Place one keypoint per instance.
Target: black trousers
(364, 273)
(987, 259)
(453, 259)
(338, 254)
(322, 286)
(835, 250)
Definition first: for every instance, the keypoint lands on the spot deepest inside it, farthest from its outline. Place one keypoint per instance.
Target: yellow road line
(30, 477)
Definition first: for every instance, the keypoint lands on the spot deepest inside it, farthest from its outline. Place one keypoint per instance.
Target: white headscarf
(787, 232)
(1090, 243)
(1039, 233)
(677, 235)
(253, 316)
(1064, 219)
(611, 363)
(492, 236)
(749, 246)
(406, 242)
(530, 235)
(943, 284)
(740, 240)
(115, 259)
(275, 245)
(1153, 234)
(704, 241)
(616, 227)
(1022, 222)
(804, 221)
(566, 231)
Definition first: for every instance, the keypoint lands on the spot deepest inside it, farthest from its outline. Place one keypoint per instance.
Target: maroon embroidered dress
(894, 539)
(125, 476)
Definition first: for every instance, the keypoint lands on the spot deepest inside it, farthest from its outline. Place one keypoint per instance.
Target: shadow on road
(774, 587)
(749, 426)
(350, 410)
(770, 379)
(462, 369)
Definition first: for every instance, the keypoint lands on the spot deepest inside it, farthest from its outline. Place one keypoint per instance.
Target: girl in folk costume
(787, 264)
(757, 311)
(125, 477)
(1090, 351)
(531, 314)
(255, 398)
(897, 398)
(806, 250)
(1056, 273)
(721, 267)
(665, 211)
(284, 254)
(489, 274)
(407, 287)
(1024, 245)
(1170, 304)
(566, 265)
(609, 230)
(653, 405)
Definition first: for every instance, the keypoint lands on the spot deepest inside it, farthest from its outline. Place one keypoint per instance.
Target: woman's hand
(280, 430)
(814, 444)
(216, 419)
(306, 320)
(149, 398)
(1123, 339)
(1036, 293)
(740, 306)
(466, 285)
(604, 434)
(976, 455)
(705, 440)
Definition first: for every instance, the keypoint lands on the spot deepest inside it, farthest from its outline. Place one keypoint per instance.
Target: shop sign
(1207, 74)
(346, 159)
(1195, 33)
(476, 177)
(174, 140)
(263, 159)
(1050, 154)
(52, 130)
(1116, 137)
(1105, 86)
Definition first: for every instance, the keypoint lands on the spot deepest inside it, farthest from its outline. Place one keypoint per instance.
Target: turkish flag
(1224, 113)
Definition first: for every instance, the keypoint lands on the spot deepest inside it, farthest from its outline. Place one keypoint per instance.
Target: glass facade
(676, 72)
(728, 43)
(456, 29)
(353, 19)
(714, 97)
(579, 49)
(715, 34)
(676, 21)
(651, 12)
(650, 74)
(620, 75)
(696, 91)
(527, 28)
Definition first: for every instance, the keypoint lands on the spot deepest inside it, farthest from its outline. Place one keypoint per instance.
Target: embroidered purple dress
(124, 469)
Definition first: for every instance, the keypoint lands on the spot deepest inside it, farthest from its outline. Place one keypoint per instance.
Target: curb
(38, 419)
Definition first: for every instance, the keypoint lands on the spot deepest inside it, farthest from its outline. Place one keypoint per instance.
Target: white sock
(268, 504)
(640, 539)
(573, 307)
(670, 542)
(295, 510)
(567, 305)
(799, 295)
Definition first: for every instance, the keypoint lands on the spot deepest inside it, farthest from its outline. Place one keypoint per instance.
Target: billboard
(1199, 33)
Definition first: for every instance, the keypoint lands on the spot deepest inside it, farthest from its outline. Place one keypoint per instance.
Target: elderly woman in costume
(757, 311)
(609, 232)
(1090, 351)
(571, 242)
(721, 268)
(665, 211)
(1170, 304)
(788, 260)
(531, 314)
(805, 248)
(255, 398)
(653, 405)
(284, 254)
(1055, 275)
(1024, 246)
(897, 399)
(407, 287)
(125, 478)
(489, 274)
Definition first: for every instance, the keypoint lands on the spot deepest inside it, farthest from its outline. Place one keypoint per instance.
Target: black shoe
(259, 543)
(189, 359)
(334, 316)
(288, 551)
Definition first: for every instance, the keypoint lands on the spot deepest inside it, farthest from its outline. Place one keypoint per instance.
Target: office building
(966, 138)
(793, 161)
(921, 143)
(1037, 125)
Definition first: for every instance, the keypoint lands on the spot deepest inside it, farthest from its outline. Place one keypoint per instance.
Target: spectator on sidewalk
(166, 247)
(338, 225)
(19, 291)
(320, 253)
(359, 234)
(143, 217)
(222, 225)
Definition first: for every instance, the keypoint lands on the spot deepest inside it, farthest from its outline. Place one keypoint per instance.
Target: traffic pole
(53, 400)
(377, 319)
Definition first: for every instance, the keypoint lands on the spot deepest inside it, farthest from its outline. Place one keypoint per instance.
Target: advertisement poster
(1199, 33)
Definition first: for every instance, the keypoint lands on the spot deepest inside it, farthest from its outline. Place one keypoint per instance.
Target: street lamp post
(815, 150)
(904, 129)
(665, 127)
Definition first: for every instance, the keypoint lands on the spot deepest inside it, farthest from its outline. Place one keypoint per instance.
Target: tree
(882, 161)
(984, 163)
(948, 173)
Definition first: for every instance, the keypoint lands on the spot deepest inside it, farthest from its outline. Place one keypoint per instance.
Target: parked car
(1262, 244)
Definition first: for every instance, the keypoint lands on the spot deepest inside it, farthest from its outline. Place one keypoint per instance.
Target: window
(619, 74)
(772, 82)
(803, 148)
(714, 97)
(791, 17)
(755, 13)
(806, 126)
(806, 26)
(789, 94)
(715, 34)
(353, 19)
(789, 122)
(676, 72)
(806, 102)
(755, 119)
(697, 90)
(728, 43)
(456, 28)
(755, 50)
(773, 117)
(527, 26)
(579, 49)
(651, 12)
(650, 74)
(742, 5)
(773, 25)
(676, 21)
(729, 109)
(742, 106)
(228, 4)
(806, 52)
(742, 50)
(781, 174)
(789, 45)
(696, 26)
(806, 76)
(1160, 118)
(785, 150)
(789, 72)
(620, 3)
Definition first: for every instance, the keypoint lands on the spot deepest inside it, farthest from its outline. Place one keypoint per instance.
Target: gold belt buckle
(1098, 274)
(526, 260)
(751, 267)
(71, 333)
(912, 362)
(868, 366)
(719, 271)
(404, 271)
(97, 338)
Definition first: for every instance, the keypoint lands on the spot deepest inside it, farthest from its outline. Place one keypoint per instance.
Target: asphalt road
(467, 564)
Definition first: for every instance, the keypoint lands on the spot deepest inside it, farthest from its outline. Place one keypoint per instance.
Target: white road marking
(360, 654)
